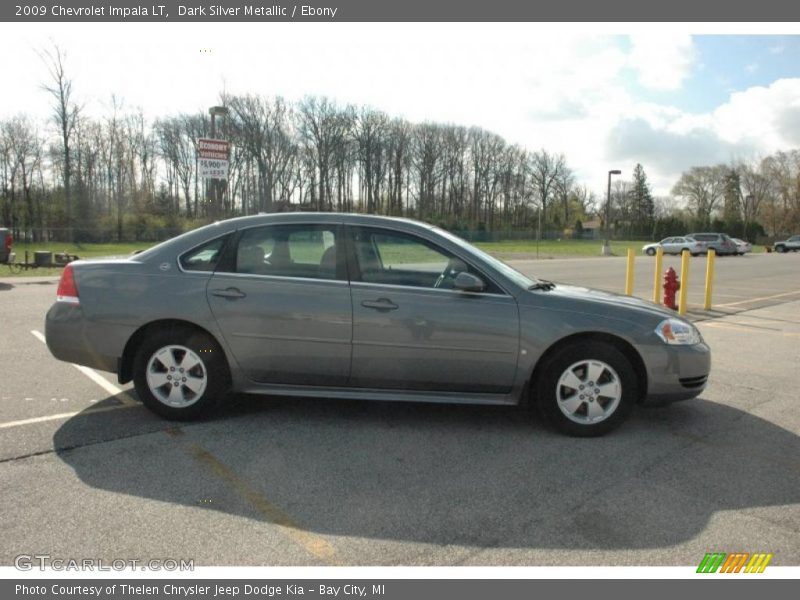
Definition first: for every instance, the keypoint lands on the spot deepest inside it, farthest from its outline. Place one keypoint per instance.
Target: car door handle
(230, 293)
(380, 304)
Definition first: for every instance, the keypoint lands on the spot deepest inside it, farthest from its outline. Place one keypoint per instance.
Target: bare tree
(702, 188)
(26, 151)
(323, 126)
(65, 115)
(546, 169)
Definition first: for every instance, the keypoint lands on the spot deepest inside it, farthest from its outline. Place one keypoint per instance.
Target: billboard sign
(212, 158)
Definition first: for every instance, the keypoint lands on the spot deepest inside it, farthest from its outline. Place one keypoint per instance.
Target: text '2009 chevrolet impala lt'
(355, 306)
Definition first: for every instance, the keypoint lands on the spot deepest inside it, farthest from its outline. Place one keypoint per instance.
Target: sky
(606, 97)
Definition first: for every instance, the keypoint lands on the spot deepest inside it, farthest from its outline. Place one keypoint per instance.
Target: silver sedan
(353, 306)
(674, 245)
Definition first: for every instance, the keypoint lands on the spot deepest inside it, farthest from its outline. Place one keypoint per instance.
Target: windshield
(522, 280)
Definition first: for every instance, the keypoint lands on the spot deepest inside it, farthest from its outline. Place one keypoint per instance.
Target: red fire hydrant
(671, 286)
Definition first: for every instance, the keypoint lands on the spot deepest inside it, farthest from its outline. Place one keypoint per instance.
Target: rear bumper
(73, 338)
(677, 373)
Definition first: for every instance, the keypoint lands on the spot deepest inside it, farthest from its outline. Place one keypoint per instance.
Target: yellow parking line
(758, 299)
(313, 544)
(749, 328)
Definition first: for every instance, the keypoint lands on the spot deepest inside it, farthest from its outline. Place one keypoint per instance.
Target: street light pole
(606, 251)
(214, 111)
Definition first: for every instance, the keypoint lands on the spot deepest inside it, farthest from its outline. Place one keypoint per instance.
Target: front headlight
(678, 332)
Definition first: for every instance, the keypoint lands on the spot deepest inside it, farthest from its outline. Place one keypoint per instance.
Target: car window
(395, 258)
(203, 258)
(666, 241)
(705, 237)
(303, 251)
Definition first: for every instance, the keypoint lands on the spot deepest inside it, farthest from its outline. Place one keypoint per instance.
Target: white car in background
(742, 247)
(674, 245)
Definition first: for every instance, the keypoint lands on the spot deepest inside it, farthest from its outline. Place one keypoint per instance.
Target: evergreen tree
(643, 206)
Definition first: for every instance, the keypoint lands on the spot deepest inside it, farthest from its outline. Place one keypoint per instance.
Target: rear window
(705, 237)
(205, 257)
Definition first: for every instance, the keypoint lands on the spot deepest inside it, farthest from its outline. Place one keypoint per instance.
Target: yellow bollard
(709, 278)
(657, 275)
(629, 273)
(684, 292)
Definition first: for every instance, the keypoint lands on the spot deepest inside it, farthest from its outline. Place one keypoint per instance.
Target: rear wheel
(180, 374)
(587, 389)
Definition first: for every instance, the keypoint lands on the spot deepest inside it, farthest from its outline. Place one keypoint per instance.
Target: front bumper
(676, 373)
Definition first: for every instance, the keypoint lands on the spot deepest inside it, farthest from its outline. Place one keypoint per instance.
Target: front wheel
(651, 251)
(587, 389)
(780, 249)
(180, 374)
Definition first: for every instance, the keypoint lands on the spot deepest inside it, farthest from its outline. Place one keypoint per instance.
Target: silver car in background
(742, 246)
(790, 244)
(720, 242)
(353, 306)
(674, 245)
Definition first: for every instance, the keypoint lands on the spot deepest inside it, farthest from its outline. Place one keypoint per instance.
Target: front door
(413, 331)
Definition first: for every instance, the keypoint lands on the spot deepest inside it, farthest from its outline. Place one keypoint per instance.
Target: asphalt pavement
(88, 472)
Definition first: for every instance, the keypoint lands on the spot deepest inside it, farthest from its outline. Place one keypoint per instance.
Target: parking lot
(88, 472)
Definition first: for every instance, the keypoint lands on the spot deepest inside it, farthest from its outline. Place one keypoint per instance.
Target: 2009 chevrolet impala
(355, 306)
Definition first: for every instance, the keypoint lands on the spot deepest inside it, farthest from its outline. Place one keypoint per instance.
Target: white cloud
(751, 124)
(662, 62)
(542, 86)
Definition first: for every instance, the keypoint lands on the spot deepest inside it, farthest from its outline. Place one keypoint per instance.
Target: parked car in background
(742, 246)
(674, 245)
(364, 307)
(5, 245)
(720, 242)
(793, 244)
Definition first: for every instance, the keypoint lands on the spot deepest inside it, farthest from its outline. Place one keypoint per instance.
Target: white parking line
(96, 377)
(68, 415)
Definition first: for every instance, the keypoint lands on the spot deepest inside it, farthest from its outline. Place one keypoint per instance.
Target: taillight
(9, 241)
(67, 290)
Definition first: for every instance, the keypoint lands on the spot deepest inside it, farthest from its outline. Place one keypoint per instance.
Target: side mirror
(467, 282)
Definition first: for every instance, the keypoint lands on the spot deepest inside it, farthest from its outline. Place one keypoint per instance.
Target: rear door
(282, 301)
(669, 245)
(413, 331)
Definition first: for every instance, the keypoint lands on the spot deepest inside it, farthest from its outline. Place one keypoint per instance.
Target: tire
(161, 357)
(695, 254)
(780, 248)
(556, 399)
(650, 252)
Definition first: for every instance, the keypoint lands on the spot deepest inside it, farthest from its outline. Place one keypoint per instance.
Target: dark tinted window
(305, 251)
(705, 237)
(205, 257)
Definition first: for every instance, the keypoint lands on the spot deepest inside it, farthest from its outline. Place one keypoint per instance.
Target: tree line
(125, 176)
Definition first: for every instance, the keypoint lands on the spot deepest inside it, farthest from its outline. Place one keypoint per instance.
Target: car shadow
(482, 476)
(4, 287)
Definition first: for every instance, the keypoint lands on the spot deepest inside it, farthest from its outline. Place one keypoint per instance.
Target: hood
(603, 301)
